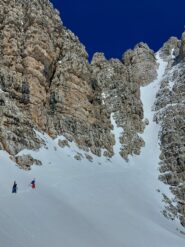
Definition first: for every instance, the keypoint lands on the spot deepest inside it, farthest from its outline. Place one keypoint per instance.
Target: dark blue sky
(113, 26)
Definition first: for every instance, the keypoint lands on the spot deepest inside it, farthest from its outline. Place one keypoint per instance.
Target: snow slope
(105, 203)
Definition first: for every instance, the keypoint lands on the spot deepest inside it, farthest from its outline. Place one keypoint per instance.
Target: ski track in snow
(84, 204)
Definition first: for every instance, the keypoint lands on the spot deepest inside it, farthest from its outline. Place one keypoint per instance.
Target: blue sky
(113, 26)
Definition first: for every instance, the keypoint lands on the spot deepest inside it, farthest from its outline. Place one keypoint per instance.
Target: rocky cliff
(170, 114)
(48, 85)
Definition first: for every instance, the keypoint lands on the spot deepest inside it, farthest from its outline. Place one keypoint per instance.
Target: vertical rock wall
(170, 114)
(48, 84)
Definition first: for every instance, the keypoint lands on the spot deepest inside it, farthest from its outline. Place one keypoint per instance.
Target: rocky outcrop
(171, 48)
(48, 85)
(119, 82)
(141, 63)
(26, 161)
(170, 114)
(30, 46)
(45, 81)
(74, 104)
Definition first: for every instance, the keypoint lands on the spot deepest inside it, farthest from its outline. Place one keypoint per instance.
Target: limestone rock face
(30, 44)
(48, 85)
(141, 63)
(45, 81)
(74, 104)
(120, 94)
(171, 48)
(170, 114)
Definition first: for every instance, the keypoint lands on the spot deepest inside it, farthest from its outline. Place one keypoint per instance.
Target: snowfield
(104, 203)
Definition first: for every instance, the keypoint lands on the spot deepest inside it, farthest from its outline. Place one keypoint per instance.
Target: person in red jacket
(33, 184)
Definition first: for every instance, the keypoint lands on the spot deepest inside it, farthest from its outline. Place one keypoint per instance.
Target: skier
(33, 184)
(14, 188)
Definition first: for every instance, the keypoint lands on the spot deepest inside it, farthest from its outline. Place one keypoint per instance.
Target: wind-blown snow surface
(83, 204)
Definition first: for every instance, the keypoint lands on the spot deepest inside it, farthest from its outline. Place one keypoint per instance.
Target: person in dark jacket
(33, 184)
(14, 188)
